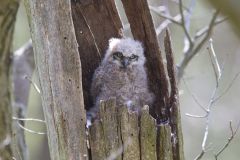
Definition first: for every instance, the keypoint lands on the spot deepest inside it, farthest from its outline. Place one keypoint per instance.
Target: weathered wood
(59, 67)
(173, 103)
(142, 28)
(96, 141)
(123, 134)
(129, 134)
(165, 144)
(148, 135)
(118, 133)
(8, 10)
(111, 132)
(95, 23)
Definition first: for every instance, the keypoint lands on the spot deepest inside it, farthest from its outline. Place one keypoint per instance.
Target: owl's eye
(133, 57)
(117, 55)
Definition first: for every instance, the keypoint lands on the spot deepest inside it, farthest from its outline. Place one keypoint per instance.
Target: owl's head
(125, 53)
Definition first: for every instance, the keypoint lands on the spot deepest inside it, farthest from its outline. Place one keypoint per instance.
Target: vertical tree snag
(173, 103)
(8, 10)
(59, 66)
(65, 31)
(95, 23)
(142, 28)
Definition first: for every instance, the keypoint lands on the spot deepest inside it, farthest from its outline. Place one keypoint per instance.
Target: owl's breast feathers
(125, 80)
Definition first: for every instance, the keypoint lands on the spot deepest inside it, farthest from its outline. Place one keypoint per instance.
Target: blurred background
(199, 79)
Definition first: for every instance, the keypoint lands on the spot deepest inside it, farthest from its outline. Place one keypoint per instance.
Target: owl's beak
(125, 62)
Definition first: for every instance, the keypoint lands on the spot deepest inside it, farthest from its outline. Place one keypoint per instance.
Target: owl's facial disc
(125, 61)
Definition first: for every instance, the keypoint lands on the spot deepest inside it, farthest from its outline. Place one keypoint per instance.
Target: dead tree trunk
(8, 10)
(59, 68)
(56, 28)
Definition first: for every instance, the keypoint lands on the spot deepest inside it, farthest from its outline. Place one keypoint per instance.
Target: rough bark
(173, 103)
(148, 136)
(95, 23)
(8, 10)
(142, 28)
(129, 133)
(165, 144)
(23, 65)
(122, 134)
(59, 67)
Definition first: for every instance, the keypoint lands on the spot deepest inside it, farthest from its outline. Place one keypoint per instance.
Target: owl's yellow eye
(133, 56)
(117, 55)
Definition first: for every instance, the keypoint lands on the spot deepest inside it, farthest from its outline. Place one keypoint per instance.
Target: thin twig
(233, 133)
(184, 24)
(194, 50)
(210, 104)
(163, 15)
(165, 23)
(34, 84)
(29, 119)
(193, 96)
(195, 116)
(214, 61)
(205, 29)
(187, 44)
(199, 46)
(29, 130)
(228, 88)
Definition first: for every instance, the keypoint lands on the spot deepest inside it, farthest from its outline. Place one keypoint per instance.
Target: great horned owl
(122, 75)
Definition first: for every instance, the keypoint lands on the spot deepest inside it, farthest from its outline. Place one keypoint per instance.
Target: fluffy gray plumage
(122, 75)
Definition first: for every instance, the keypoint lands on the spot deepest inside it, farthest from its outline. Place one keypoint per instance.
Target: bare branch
(233, 133)
(199, 46)
(29, 119)
(187, 43)
(34, 84)
(228, 88)
(200, 155)
(29, 130)
(163, 15)
(193, 96)
(184, 24)
(166, 22)
(205, 29)
(195, 116)
(210, 104)
(214, 61)
(194, 50)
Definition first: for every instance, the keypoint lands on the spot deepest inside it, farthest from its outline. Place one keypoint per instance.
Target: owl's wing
(97, 82)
